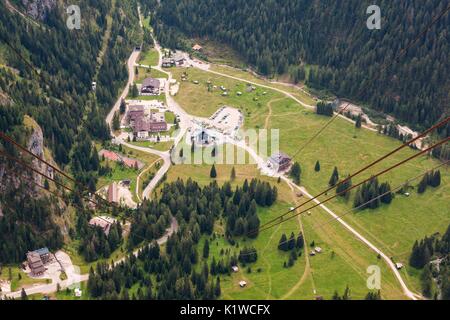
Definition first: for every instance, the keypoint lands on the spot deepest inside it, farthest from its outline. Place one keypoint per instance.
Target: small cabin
(242, 283)
(235, 268)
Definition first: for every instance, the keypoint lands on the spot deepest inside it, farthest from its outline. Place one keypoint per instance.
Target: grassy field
(197, 100)
(18, 278)
(120, 173)
(349, 257)
(161, 146)
(245, 75)
(393, 228)
(147, 73)
(149, 57)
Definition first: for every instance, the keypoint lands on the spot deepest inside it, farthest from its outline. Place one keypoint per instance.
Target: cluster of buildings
(116, 157)
(144, 124)
(37, 260)
(175, 60)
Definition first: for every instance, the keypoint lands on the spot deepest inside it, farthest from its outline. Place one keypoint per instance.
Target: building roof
(113, 193)
(151, 82)
(279, 157)
(102, 223)
(42, 251)
(197, 47)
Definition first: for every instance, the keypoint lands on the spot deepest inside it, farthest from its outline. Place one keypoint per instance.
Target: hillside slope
(332, 37)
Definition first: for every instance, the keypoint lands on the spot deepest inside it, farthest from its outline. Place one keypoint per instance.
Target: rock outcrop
(38, 9)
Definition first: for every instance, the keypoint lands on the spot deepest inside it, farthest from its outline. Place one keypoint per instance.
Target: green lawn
(149, 57)
(197, 100)
(392, 228)
(146, 73)
(161, 146)
(18, 278)
(347, 266)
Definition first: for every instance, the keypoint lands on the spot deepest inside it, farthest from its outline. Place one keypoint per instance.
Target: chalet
(151, 87)
(197, 47)
(178, 59)
(113, 193)
(242, 283)
(102, 222)
(318, 249)
(35, 263)
(279, 162)
(36, 260)
(135, 112)
(399, 265)
(143, 127)
(235, 268)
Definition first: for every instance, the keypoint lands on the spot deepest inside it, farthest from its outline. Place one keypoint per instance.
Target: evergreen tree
(206, 249)
(283, 243)
(317, 166)
(295, 173)
(233, 174)
(213, 172)
(334, 177)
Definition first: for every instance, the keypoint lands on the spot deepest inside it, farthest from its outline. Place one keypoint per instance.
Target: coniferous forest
(331, 40)
(173, 273)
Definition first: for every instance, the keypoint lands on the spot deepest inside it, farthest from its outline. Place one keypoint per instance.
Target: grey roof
(151, 82)
(279, 157)
(42, 251)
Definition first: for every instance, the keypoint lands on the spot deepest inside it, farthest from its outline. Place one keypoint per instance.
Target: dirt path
(308, 269)
(269, 104)
(141, 174)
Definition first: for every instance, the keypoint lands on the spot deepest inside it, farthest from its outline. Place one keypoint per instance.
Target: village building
(242, 283)
(103, 222)
(113, 156)
(113, 193)
(151, 87)
(203, 136)
(135, 112)
(279, 162)
(178, 59)
(197, 47)
(144, 126)
(36, 260)
(235, 268)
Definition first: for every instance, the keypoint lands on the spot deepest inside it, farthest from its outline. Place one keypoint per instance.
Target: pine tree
(233, 174)
(23, 295)
(334, 177)
(206, 249)
(423, 184)
(116, 122)
(300, 241)
(358, 122)
(317, 166)
(213, 172)
(282, 244)
(295, 173)
(134, 91)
